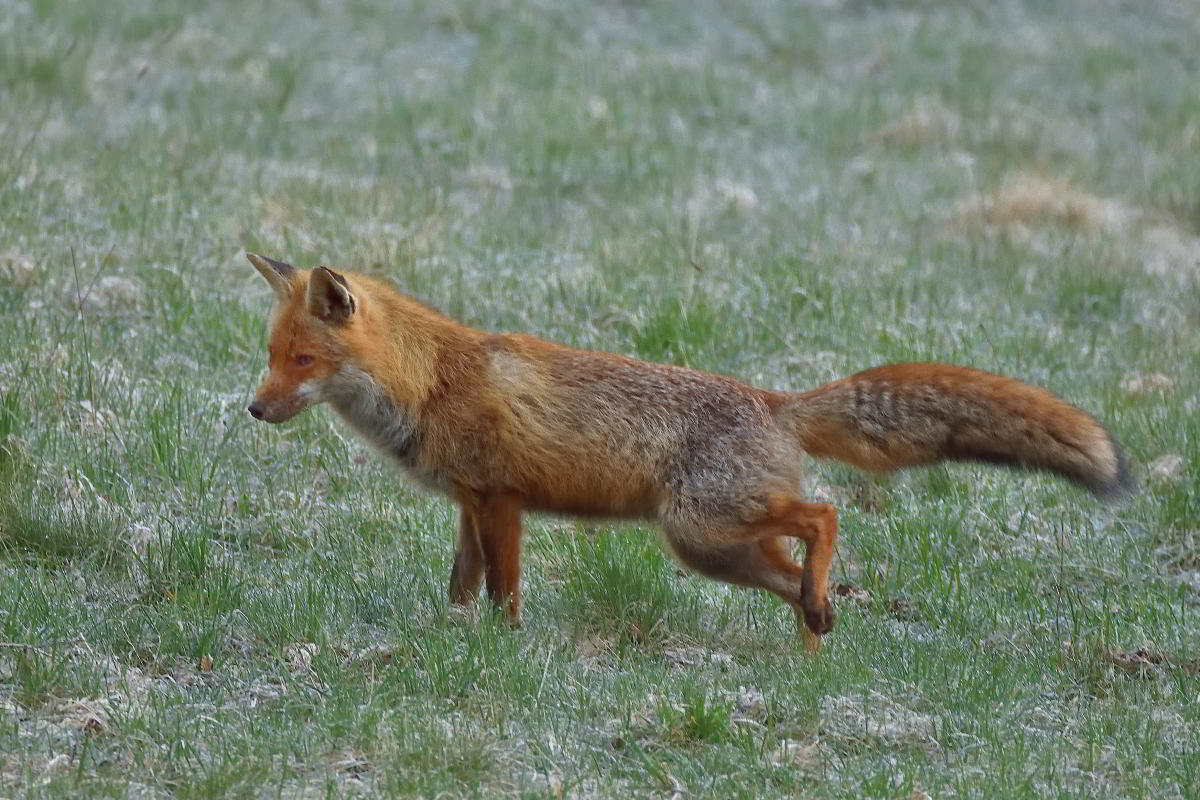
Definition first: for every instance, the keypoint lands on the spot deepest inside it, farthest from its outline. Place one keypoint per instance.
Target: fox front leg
(489, 546)
(467, 573)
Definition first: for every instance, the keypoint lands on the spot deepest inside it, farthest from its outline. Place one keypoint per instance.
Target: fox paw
(819, 618)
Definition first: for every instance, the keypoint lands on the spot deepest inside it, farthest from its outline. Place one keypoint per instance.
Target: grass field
(193, 605)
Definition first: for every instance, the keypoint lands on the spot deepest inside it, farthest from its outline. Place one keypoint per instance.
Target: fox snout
(275, 404)
(274, 412)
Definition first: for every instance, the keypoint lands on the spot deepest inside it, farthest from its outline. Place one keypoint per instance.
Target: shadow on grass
(618, 584)
(53, 527)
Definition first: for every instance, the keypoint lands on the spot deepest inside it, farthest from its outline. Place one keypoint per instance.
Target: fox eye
(303, 360)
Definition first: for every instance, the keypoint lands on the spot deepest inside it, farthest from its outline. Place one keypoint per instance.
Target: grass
(192, 605)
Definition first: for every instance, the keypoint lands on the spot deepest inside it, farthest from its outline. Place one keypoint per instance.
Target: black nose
(256, 410)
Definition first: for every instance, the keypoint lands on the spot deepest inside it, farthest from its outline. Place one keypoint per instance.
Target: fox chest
(395, 436)
(384, 424)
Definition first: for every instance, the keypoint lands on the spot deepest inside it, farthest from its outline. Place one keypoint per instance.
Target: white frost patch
(737, 196)
(723, 196)
(875, 716)
(797, 753)
(57, 763)
(173, 362)
(80, 490)
(487, 177)
(140, 537)
(95, 419)
(108, 293)
(597, 108)
(299, 656)
(1166, 468)
(17, 269)
(749, 702)
(684, 656)
(1146, 382)
(224, 402)
(1168, 251)
(8, 376)
(275, 171)
(904, 629)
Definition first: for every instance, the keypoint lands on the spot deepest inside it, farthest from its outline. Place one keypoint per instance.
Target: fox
(507, 423)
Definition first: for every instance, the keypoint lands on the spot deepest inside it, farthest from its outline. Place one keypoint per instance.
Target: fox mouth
(274, 414)
(281, 410)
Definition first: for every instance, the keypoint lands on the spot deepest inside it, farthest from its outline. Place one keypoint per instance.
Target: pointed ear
(329, 297)
(277, 273)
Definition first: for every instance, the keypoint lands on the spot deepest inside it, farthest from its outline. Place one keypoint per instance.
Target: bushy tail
(904, 415)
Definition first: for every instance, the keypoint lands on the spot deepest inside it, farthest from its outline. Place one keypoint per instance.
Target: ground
(195, 605)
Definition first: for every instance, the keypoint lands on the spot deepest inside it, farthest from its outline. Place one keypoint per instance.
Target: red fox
(505, 423)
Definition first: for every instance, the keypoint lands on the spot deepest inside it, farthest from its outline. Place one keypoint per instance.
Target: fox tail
(905, 415)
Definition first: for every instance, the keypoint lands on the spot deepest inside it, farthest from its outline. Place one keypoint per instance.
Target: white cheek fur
(309, 392)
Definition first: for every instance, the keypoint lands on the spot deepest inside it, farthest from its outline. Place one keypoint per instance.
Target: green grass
(193, 605)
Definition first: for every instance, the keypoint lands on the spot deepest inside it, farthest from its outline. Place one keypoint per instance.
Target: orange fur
(504, 423)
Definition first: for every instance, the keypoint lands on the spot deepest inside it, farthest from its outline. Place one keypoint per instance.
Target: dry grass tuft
(1027, 202)
(17, 270)
(1034, 201)
(926, 123)
(1143, 383)
(1166, 468)
(1148, 663)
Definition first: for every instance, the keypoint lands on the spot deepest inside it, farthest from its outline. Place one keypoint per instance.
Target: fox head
(308, 340)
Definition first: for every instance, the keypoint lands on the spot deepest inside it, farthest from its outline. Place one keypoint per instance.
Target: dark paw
(459, 596)
(819, 619)
(507, 612)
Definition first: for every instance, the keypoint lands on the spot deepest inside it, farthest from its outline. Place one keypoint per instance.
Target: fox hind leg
(816, 525)
(814, 619)
(756, 555)
(755, 564)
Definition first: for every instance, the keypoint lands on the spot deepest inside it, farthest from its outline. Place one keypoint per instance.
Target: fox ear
(329, 297)
(277, 273)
